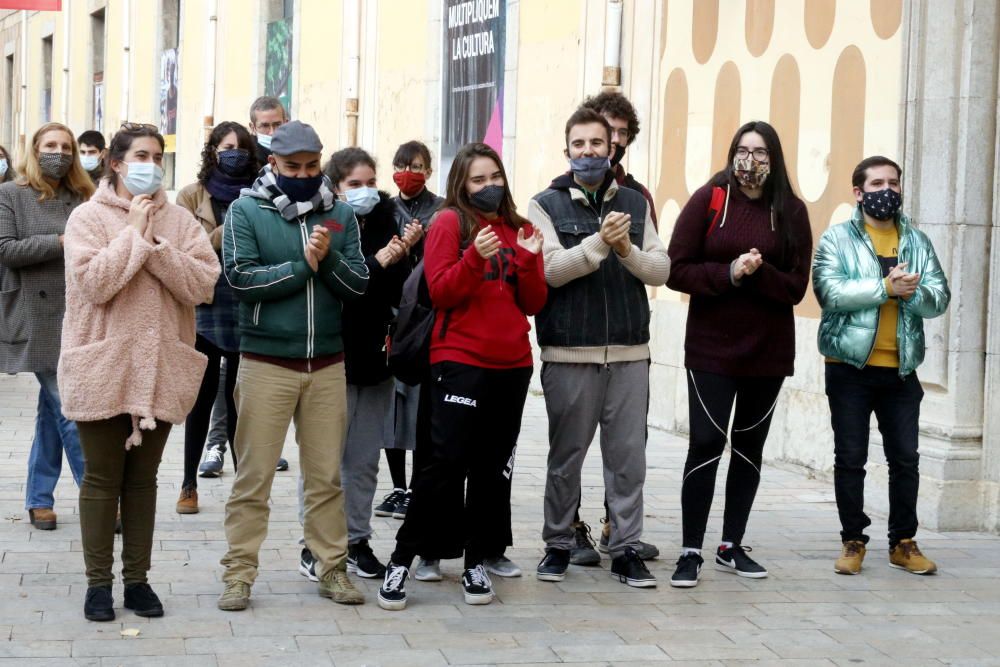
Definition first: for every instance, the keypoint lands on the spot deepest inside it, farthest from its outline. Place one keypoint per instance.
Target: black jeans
(710, 404)
(460, 491)
(197, 422)
(854, 395)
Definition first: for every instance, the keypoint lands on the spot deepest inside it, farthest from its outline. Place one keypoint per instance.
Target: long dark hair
(777, 188)
(209, 154)
(457, 198)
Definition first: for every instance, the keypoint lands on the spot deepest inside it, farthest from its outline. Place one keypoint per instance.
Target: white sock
(726, 545)
(685, 551)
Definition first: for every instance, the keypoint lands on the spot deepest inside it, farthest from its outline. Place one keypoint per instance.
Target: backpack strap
(716, 208)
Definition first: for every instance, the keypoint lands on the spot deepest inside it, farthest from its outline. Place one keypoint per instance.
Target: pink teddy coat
(129, 329)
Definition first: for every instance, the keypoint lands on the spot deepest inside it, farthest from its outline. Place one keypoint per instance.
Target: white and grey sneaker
(392, 594)
(502, 566)
(307, 565)
(428, 570)
(211, 463)
(477, 586)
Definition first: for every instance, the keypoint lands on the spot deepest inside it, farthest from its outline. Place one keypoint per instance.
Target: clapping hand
(533, 243)
(318, 246)
(904, 284)
(412, 233)
(747, 263)
(614, 232)
(487, 242)
(394, 251)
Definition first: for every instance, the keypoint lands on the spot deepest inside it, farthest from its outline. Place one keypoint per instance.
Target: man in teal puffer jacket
(292, 255)
(877, 279)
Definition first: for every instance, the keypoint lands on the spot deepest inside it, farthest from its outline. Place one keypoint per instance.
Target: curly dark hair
(209, 158)
(344, 161)
(615, 105)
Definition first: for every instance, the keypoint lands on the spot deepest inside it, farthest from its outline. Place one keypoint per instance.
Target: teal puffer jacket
(286, 309)
(847, 280)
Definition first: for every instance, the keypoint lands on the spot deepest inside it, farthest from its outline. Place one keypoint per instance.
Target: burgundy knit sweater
(745, 330)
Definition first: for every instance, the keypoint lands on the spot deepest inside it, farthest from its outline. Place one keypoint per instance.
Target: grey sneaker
(428, 570)
(583, 553)
(644, 550)
(211, 463)
(336, 586)
(236, 597)
(502, 566)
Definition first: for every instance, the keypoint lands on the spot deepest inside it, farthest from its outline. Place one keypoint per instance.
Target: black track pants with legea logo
(460, 499)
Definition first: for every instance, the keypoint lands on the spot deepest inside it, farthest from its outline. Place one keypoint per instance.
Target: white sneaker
(502, 566)
(428, 570)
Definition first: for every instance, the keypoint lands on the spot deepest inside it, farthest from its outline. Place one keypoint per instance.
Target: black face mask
(488, 199)
(233, 162)
(617, 156)
(299, 189)
(882, 204)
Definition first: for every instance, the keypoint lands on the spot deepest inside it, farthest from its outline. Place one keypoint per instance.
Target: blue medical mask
(143, 178)
(264, 140)
(90, 162)
(590, 170)
(362, 200)
(3, 166)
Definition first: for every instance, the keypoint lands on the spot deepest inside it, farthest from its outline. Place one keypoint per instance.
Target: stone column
(950, 127)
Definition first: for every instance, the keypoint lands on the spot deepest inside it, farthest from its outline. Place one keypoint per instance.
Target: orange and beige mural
(825, 73)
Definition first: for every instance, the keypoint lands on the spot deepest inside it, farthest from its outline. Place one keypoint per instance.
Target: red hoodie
(482, 304)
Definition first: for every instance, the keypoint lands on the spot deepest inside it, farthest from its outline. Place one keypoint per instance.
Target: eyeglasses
(136, 127)
(269, 127)
(759, 154)
(416, 169)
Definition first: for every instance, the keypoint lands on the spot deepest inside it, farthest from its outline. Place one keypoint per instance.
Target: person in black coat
(366, 320)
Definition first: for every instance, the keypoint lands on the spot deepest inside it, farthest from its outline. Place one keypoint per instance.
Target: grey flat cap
(295, 137)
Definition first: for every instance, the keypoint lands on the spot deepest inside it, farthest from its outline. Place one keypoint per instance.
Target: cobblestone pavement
(803, 614)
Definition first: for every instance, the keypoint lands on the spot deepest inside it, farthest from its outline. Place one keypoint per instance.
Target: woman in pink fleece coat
(136, 266)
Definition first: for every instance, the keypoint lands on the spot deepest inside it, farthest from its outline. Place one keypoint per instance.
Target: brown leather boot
(43, 518)
(188, 502)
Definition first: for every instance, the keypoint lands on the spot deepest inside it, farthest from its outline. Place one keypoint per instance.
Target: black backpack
(410, 343)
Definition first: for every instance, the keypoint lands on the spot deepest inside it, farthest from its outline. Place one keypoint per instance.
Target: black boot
(98, 604)
(141, 599)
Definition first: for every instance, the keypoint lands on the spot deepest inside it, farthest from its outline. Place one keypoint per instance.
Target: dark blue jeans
(854, 395)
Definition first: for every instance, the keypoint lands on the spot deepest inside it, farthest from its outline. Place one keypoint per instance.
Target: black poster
(472, 85)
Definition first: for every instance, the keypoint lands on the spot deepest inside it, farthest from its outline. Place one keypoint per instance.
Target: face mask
(233, 162)
(54, 165)
(299, 189)
(488, 199)
(90, 162)
(264, 140)
(616, 159)
(410, 183)
(143, 178)
(3, 166)
(882, 204)
(750, 173)
(362, 200)
(590, 170)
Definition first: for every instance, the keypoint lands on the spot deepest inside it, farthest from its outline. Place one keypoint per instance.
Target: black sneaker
(211, 463)
(141, 599)
(282, 465)
(388, 504)
(99, 605)
(645, 550)
(392, 594)
(629, 569)
(553, 566)
(361, 561)
(477, 586)
(307, 565)
(688, 570)
(736, 561)
(584, 553)
(402, 506)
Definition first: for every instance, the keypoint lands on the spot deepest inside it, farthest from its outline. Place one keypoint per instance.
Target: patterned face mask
(882, 204)
(750, 173)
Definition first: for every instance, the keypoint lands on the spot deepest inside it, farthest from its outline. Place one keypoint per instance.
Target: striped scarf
(266, 187)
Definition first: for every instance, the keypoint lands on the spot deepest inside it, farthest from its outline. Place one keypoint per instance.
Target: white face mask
(264, 140)
(143, 178)
(3, 166)
(90, 162)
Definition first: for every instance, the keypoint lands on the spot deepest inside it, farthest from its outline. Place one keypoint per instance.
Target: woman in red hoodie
(483, 266)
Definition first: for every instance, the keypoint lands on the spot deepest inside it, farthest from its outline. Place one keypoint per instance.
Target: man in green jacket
(877, 279)
(292, 255)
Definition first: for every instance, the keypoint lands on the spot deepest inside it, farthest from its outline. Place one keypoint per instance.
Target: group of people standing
(269, 295)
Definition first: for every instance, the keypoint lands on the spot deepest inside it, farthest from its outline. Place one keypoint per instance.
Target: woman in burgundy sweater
(741, 248)
(483, 266)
